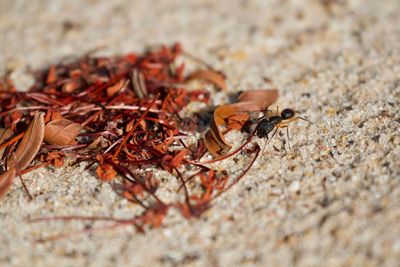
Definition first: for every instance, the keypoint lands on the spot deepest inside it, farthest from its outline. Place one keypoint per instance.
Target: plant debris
(123, 115)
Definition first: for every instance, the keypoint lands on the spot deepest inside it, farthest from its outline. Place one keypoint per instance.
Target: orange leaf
(61, 132)
(210, 76)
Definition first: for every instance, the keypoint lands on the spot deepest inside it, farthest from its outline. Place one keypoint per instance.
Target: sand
(332, 199)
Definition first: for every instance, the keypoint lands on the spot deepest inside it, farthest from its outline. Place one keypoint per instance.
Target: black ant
(267, 124)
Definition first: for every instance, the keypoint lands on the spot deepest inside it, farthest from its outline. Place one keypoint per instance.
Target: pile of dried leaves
(122, 116)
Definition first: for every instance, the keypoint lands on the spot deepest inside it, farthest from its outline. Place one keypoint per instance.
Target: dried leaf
(6, 180)
(249, 101)
(4, 135)
(30, 143)
(256, 100)
(61, 132)
(214, 140)
(210, 76)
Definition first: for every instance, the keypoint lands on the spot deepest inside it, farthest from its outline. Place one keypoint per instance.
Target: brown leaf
(30, 143)
(210, 76)
(6, 180)
(61, 132)
(4, 135)
(249, 101)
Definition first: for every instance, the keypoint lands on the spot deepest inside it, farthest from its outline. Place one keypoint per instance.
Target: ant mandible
(267, 124)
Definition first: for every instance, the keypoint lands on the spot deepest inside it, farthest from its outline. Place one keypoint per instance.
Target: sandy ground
(330, 200)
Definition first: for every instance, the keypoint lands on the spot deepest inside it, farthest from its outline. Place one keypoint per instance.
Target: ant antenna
(276, 130)
(265, 145)
(304, 119)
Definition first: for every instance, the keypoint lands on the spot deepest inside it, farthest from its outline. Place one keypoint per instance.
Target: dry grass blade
(139, 85)
(30, 143)
(61, 132)
(211, 76)
(6, 180)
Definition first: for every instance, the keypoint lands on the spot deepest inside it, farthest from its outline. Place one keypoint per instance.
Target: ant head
(287, 113)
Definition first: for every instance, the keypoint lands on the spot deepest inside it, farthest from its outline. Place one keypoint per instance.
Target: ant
(267, 124)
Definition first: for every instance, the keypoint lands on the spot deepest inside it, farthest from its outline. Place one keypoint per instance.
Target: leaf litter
(125, 115)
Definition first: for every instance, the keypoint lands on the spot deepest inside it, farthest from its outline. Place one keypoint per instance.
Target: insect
(273, 123)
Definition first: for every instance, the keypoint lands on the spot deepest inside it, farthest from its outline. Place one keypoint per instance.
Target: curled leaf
(6, 180)
(30, 143)
(61, 132)
(25, 152)
(210, 76)
(232, 116)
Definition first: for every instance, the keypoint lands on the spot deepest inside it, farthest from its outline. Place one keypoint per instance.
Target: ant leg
(272, 135)
(265, 145)
(284, 125)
